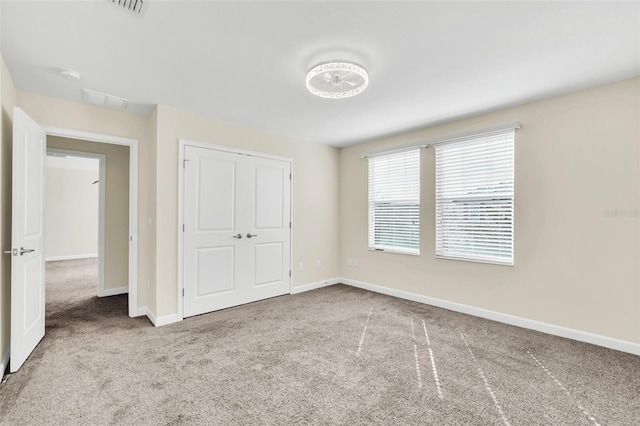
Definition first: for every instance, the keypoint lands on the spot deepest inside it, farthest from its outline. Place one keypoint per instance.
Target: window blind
(474, 199)
(394, 202)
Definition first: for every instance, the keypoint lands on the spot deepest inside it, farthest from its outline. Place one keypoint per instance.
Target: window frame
(414, 168)
(488, 205)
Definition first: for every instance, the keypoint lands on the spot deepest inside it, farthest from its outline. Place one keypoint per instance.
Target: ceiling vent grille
(104, 100)
(134, 6)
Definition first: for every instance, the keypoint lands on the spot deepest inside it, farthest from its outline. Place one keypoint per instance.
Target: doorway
(75, 216)
(120, 276)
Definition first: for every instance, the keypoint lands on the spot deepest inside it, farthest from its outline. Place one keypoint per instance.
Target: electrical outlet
(355, 261)
(348, 261)
(318, 263)
(300, 266)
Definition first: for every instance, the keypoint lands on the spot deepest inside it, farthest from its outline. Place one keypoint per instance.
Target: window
(394, 202)
(474, 198)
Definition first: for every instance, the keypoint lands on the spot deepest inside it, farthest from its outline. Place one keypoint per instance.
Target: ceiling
(428, 62)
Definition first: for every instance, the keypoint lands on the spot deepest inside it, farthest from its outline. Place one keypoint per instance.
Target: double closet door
(237, 229)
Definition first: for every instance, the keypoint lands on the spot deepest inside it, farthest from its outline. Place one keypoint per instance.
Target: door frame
(182, 143)
(133, 198)
(101, 206)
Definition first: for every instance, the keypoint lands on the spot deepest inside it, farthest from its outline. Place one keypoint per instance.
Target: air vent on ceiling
(101, 99)
(134, 6)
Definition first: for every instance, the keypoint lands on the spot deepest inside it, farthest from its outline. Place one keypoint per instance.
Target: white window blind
(474, 199)
(394, 202)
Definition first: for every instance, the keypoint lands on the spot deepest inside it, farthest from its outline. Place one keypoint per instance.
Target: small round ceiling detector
(337, 80)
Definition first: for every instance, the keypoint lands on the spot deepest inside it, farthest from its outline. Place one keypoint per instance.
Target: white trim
(556, 330)
(396, 150)
(291, 228)
(475, 134)
(71, 257)
(102, 178)
(133, 198)
(114, 291)
(4, 361)
(182, 143)
(230, 149)
(159, 321)
(88, 136)
(142, 311)
(446, 139)
(180, 292)
(313, 286)
(165, 320)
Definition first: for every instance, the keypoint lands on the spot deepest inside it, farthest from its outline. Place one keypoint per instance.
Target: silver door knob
(251, 235)
(24, 250)
(238, 236)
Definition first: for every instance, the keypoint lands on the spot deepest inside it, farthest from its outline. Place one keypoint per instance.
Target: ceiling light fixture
(131, 5)
(337, 80)
(70, 74)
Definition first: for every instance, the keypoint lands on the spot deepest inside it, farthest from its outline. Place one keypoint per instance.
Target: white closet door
(236, 235)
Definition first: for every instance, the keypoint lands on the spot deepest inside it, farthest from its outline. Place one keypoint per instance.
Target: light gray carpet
(338, 355)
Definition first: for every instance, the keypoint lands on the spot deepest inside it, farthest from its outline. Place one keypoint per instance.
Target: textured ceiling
(428, 62)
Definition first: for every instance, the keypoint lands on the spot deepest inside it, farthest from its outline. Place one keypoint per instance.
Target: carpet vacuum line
(364, 331)
(433, 361)
(486, 382)
(415, 354)
(561, 386)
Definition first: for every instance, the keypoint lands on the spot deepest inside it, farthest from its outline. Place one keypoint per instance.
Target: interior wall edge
(4, 361)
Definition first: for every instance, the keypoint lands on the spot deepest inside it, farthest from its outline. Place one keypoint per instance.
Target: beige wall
(315, 196)
(54, 112)
(71, 217)
(116, 224)
(7, 100)
(575, 265)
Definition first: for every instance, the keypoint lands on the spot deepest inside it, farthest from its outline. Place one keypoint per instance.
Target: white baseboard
(113, 291)
(70, 257)
(140, 312)
(556, 330)
(4, 362)
(313, 286)
(156, 321)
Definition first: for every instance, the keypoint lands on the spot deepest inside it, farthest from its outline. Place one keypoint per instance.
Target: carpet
(337, 355)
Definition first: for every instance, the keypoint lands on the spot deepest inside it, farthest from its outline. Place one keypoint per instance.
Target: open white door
(27, 237)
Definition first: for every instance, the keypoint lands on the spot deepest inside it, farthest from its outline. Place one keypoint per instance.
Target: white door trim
(182, 143)
(133, 198)
(101, 205)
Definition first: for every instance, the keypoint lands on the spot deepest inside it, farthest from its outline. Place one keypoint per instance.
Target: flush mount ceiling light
(134, 6)
(337, 80)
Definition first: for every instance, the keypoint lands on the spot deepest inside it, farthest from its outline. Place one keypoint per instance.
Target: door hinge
(183, 292)
(289, 176)
(289, 272)
(184, 163)
(289, 225)
(183, 227)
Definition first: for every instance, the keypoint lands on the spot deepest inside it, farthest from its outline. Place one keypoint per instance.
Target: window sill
(395, 251)
(490, 261)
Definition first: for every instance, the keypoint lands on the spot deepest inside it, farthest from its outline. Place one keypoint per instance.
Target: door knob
(251, 235)
(24, 250)
(238, 236)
